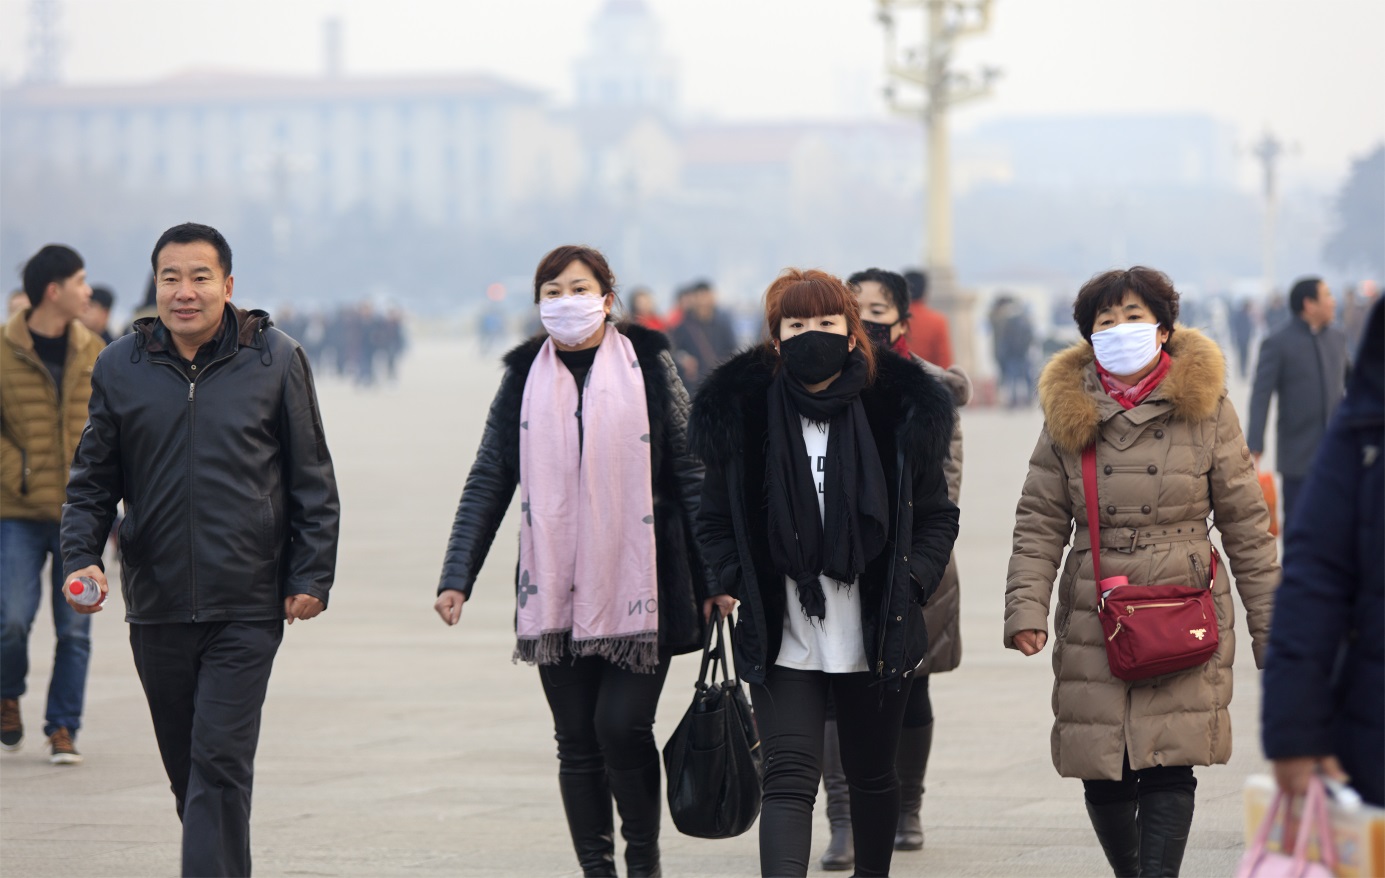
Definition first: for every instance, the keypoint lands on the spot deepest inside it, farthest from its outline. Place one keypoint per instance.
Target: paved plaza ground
(392, 745)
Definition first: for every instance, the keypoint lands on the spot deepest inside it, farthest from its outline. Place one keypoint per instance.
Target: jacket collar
(246, 329)
(923, 412)
(1075, 405)
(17, 333)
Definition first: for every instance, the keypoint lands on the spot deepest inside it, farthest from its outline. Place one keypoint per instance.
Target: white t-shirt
(833, 644)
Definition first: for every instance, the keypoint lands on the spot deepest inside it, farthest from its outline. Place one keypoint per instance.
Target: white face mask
(572, 320)
(1126, 348)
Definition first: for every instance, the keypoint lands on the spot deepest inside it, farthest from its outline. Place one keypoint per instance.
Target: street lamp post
(1268, 150)
(942, 88)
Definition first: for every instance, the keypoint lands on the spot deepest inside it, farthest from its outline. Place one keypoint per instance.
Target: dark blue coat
(1325, 671)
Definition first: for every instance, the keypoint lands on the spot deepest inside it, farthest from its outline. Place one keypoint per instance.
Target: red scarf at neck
(901, 346)
(1130, 396)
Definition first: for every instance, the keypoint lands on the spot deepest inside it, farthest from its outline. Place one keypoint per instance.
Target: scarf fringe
(638, 653)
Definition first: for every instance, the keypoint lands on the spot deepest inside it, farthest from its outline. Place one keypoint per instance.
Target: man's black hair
(53, 264)
(895, 285)
(187, 233)
(701, 285)
(1303, 288)
(103, 296)
(918, 284)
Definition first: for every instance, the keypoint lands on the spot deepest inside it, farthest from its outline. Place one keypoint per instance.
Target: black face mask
(879, 332)
(814, 356)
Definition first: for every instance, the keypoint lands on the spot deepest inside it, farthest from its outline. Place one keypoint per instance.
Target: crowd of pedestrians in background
(810, 486)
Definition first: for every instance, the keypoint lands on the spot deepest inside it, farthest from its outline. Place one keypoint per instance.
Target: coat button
(1110, 510)
(1108, 469)
(906, 557)
(910, 503)
(1158, 434)
(1145, 509)
(1153, 470)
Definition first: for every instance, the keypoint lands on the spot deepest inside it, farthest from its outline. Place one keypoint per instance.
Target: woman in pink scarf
(590, 423)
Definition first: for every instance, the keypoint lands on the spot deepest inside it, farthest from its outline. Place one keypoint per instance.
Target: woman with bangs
(825, 513)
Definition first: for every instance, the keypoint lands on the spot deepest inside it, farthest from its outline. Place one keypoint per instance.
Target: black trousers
(790, 709)
(918, 711)
(205, 683)
(1293, 488)
(603, 715)
(1132, 783)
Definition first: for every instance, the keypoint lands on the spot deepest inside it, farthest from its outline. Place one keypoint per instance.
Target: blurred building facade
(427, 190)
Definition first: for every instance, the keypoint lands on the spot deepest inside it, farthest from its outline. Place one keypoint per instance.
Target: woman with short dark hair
(1150, 397)
(825, 513)
(609, 578)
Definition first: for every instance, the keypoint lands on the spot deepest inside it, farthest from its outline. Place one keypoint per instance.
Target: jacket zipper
(192, 443)
(58, 405)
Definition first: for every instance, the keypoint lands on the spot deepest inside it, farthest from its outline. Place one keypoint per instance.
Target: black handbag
(713, 758)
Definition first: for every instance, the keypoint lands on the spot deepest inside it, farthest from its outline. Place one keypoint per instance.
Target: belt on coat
(1128, 539)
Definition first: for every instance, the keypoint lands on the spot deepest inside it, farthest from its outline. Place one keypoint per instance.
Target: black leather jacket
(230, 497)
(677, 481)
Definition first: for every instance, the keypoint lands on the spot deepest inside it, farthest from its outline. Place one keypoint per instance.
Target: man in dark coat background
(1324, 684)
(1305, 364)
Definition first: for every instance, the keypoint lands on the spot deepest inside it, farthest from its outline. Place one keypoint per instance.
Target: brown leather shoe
(11, 726)
(64, 751)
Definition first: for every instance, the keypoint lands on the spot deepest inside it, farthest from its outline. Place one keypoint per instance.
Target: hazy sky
(1311, 69)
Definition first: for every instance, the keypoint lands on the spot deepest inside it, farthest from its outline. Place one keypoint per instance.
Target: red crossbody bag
(1150, 629)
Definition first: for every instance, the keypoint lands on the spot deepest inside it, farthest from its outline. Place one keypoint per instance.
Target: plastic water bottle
(85, 591)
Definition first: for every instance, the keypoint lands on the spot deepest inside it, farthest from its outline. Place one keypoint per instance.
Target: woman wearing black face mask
(825, 512)
(883, 297)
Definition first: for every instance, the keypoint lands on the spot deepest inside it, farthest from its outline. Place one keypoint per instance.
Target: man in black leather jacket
(205, 422)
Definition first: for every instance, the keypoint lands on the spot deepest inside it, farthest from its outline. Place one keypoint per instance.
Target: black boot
(587, 801)
(1119, 834)
(841, 849)
(1166, 816)
(911, 763)
(637, 799)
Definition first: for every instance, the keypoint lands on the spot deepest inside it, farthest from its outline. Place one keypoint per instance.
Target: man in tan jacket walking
(46, 358)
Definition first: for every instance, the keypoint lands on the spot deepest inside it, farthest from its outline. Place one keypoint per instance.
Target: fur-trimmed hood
(1075, 405)
(922, 408)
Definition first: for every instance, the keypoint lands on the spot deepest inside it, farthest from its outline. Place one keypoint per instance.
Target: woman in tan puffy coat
(1169, 454)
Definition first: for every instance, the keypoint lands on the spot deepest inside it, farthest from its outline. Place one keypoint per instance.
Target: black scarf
(856, 498)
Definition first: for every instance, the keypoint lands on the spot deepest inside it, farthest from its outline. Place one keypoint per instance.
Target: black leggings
(1132, 783)
(918, 712)
(790, 709)
(603, 715)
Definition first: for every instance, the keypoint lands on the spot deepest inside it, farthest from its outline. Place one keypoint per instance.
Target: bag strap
(1314, 820)
(711, 655)
(1093, 512)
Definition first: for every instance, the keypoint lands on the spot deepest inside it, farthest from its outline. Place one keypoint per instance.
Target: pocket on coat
(267, 528)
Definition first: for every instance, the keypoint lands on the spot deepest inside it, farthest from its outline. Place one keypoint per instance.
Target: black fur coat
(911, 416)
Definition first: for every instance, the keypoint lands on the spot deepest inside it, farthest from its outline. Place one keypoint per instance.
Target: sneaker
(11, 726)
(64, 751)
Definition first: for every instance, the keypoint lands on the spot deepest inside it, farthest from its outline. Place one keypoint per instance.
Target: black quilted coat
(911, 416)
(677, 480)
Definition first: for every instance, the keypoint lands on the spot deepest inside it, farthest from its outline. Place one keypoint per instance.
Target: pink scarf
(1129, 395)
(587, 578)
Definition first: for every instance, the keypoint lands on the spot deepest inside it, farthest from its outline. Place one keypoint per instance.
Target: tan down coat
(942, 613)
(38, 438)
(1163, 468)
